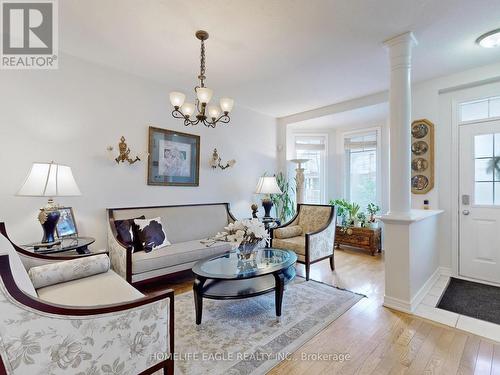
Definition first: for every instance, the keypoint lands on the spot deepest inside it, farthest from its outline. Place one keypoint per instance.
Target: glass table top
(232, 266)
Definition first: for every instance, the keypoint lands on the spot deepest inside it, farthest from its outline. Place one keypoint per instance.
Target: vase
(246, 251)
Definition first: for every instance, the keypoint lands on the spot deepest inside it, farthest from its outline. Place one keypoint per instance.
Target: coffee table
(228, 277)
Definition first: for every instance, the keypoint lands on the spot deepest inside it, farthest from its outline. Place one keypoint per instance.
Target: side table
(75, 245)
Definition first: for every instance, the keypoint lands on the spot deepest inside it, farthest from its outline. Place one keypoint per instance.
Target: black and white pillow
(127, 233)
(151, 234)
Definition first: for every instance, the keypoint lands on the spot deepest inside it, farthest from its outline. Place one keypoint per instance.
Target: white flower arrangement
(243, 232)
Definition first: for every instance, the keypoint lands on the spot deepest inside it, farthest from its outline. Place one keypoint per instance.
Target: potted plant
(372, 209)
(353, 213)
(342, 210)
(362, 220)
(284, 203)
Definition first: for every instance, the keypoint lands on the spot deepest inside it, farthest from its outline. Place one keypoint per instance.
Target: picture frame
(66, 225)
(174, 158)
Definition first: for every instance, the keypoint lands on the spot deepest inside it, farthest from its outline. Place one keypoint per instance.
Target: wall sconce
(124, 153)
(215, 161)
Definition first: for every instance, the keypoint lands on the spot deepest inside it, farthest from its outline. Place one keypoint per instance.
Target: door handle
(466, 212)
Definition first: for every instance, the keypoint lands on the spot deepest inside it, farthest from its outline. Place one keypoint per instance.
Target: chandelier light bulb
(188, 109)
(213, 111)
(177, 99)
(204, 94)
(226, 104)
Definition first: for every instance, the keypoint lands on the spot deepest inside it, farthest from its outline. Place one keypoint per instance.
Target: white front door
(480, 201)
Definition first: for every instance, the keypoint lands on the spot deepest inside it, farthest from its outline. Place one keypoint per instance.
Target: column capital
(400, 48)
(407, 38)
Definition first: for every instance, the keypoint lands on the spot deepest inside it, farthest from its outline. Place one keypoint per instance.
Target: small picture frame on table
(174, 158)
(66, 226)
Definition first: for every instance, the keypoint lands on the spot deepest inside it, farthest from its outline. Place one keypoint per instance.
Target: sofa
(310, 234)
(62, 315)
(186, 227)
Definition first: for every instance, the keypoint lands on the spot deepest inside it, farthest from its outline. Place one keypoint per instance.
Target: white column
(400, 48)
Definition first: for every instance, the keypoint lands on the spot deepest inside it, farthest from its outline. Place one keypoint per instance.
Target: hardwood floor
(379, 340)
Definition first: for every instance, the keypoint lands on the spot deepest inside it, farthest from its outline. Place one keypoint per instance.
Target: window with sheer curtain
(314, 149)
(361, 168)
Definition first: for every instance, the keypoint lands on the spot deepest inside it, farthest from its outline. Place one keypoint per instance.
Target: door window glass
(487, 169)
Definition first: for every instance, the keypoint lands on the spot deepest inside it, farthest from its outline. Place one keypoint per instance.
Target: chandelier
(208, 115)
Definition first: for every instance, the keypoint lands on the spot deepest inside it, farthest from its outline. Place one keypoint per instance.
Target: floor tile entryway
(427, 309)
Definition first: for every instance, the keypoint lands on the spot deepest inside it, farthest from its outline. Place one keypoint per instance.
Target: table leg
(280, 287)
(198, 297)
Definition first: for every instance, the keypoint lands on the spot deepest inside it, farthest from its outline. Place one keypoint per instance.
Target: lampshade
(177, 98)
(268, 185)
(213, 111)
(49, 180)
(226, 104)
(204, 94)
(188, 109)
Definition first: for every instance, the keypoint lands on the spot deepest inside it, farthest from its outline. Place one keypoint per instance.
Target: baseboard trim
(409, 307)
(425, 289)
(397, 304)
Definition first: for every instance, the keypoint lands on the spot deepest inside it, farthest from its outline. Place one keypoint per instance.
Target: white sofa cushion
(19, 273)
(177, 253)
(102, 289)
(60, 272)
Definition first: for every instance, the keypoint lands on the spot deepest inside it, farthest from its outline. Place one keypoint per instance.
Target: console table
(363, 238)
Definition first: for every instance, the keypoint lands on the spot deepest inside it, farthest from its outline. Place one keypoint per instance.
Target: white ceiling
(277, 56)
(374, 115)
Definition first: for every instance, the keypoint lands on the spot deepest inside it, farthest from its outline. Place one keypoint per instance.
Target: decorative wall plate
(419, 182)
(419, 130)
(419, 147)
(422, 156)
(419, 164)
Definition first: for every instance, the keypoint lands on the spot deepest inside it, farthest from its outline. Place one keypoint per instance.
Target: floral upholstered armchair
(310, 234)
(41, 337)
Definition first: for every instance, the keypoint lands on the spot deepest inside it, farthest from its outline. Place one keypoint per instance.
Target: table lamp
(49, 180)
(267, 185)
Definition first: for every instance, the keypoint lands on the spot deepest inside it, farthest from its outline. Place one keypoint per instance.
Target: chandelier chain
(202, 65)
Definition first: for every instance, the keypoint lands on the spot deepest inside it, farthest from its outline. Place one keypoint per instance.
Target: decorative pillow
(74, 269)
(151, 234)
(126, 232)
(288, 232)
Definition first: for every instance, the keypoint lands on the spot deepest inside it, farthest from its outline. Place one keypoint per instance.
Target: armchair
(310, 234)
(41, 337)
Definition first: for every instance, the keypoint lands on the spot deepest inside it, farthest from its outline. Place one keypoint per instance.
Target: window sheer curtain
(361, 168)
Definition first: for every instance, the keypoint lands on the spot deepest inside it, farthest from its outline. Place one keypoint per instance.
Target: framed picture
(174, 158)
(66, 226)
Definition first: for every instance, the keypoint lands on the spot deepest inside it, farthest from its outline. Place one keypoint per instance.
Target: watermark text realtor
(29, 34)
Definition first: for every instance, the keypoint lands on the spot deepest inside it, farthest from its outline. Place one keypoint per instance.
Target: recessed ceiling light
(490, 39)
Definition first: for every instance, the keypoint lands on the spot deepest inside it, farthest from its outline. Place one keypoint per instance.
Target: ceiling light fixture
(489, 40)
(208, 115)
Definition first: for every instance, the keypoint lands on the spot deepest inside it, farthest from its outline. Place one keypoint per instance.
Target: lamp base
(267, 204)
(48, 218)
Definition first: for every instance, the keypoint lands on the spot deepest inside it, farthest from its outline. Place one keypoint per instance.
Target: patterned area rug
(243, 337)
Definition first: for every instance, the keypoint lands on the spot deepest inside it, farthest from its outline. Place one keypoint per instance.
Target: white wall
(427, 104)
(72, 114)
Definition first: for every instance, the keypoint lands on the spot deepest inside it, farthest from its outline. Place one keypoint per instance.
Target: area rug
(242, 337)
(472, 299)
